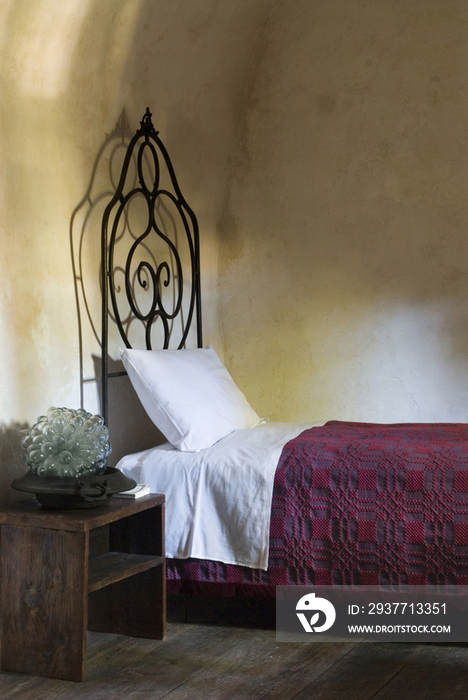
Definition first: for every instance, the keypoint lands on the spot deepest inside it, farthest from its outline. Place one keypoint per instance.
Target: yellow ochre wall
(344, 245)
(323, 147)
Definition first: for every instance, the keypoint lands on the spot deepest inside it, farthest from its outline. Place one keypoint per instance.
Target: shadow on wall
(85, 248)
(11, 459)
(130, 429)
(61, 68)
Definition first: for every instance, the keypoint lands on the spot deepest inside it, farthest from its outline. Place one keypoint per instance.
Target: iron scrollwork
(143, 268)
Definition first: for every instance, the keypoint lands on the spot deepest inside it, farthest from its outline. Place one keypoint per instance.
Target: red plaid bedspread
(358, 503)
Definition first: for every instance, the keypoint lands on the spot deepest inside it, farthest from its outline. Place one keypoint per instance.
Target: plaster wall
(323, 148)
(69, 71)
(343, 249)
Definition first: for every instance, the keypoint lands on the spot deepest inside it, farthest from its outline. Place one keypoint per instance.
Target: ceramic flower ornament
(67, 442)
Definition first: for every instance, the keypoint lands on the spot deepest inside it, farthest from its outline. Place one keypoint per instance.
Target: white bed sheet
(218, 500)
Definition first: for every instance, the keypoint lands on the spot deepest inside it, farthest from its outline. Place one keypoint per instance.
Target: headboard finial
(146, 125)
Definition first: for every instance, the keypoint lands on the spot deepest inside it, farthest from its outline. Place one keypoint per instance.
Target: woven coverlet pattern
(363, 504)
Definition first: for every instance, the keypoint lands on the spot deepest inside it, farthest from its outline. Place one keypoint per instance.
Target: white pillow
(189, 395)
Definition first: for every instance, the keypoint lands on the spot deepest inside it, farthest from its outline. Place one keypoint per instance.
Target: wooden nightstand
(63, 572)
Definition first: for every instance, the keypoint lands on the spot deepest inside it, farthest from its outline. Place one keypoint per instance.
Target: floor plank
(217, 651)
(259, 668)
(363, 672)
(439, 672)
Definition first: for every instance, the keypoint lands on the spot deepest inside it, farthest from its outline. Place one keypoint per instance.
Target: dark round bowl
(69, 492)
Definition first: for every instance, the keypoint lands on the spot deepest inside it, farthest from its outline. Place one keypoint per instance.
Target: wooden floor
(229, 651)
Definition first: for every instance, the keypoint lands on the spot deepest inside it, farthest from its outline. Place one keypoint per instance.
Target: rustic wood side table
(63, 572)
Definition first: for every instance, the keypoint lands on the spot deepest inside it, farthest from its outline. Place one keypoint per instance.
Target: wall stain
(326, 102)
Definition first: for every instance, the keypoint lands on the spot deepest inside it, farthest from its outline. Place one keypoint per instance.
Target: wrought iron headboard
(164, 278)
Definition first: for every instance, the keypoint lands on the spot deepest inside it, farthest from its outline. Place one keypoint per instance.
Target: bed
(252, 504)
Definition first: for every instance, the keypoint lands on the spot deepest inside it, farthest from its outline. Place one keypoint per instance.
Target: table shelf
(115, 566)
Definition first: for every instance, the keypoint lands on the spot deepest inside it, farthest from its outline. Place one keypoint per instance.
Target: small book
(137, 492)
